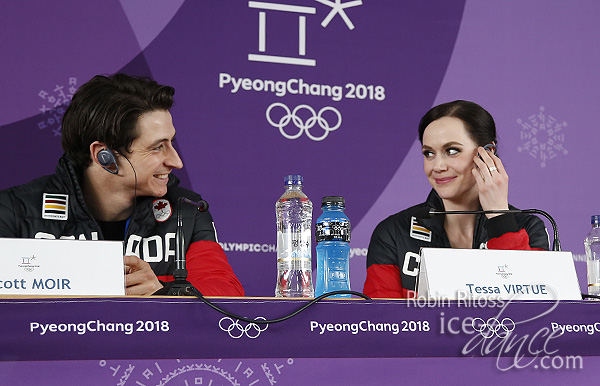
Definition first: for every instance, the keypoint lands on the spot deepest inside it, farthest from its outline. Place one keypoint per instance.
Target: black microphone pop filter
(423, 212)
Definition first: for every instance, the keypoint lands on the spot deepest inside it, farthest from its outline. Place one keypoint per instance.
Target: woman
(464, 176)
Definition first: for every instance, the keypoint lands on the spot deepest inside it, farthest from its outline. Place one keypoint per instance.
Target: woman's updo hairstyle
(478, 122)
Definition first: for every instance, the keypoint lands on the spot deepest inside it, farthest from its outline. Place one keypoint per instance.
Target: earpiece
(491, 147)
(106, 159)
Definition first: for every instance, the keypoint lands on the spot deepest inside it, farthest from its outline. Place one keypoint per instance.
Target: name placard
(61, 267)
(448, 273)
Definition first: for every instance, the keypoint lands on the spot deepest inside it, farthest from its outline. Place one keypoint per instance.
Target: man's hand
(139, 277)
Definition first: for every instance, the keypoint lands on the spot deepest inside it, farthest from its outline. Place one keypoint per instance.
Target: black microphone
(201, 205)
(180, 286)
(180, 271)
(426, 212)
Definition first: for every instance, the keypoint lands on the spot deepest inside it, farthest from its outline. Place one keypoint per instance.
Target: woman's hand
(492, 181)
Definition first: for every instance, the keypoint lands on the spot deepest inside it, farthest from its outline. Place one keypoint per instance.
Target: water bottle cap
(596, 219)
(333, 200)
(293, 179)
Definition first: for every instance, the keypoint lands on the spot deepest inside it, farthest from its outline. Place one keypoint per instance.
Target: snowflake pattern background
(55, 105)
(161, 373)
(543, 137)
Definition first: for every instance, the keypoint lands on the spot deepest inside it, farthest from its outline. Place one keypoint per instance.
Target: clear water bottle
(592, 252)
(332, 235)
(294, 219)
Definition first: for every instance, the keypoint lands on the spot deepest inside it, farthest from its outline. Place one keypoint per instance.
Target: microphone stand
(555, 245)
(180, 286)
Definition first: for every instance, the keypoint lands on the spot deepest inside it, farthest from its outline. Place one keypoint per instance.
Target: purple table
(182, 341)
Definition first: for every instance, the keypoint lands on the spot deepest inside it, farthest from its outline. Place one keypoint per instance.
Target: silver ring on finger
(492, 169)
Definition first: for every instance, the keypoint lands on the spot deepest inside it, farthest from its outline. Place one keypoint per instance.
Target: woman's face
(448, 153)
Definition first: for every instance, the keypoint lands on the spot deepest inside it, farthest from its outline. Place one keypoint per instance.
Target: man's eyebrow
(159, 141)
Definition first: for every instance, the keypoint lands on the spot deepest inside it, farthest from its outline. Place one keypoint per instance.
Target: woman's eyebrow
(451, 143)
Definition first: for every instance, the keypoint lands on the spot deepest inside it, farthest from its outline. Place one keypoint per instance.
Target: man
(115, 176)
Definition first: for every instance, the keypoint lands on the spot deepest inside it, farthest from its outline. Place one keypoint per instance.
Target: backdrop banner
(331, 90)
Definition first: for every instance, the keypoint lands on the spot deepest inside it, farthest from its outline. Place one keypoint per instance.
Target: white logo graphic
(262, 33)
(300, 124)
(236, 330)
(542, 136)
(162, 210)
(338, 7)
(493, 326)
(28, 263)
(503, 271)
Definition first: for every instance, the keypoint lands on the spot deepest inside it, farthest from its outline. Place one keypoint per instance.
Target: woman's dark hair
(107, 109)
(478, 122)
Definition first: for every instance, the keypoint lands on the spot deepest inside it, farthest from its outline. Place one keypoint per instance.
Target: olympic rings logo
(236, 330)
(292, 116)
(492, 326)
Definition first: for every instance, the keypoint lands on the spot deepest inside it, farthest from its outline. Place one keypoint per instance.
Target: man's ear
(104, 157)
(95, 148)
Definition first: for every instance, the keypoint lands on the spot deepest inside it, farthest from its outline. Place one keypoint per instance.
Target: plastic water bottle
(332, 235)
(592, 251)
(294, 219)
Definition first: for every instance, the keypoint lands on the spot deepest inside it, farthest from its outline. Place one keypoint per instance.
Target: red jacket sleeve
(512, 240)
(505, 233)
(383, 281)
(209, 271)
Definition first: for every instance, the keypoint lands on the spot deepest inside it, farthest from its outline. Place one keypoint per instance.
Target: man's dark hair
(478, 122)
(107, 109)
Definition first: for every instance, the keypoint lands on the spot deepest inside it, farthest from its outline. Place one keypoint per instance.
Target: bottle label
(333, 231)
